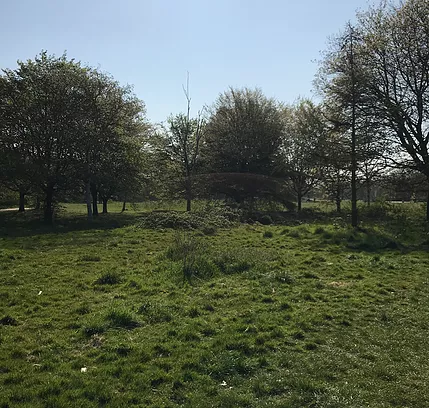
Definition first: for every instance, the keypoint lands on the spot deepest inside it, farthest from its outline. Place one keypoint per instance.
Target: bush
(266, 220)
(208, 220)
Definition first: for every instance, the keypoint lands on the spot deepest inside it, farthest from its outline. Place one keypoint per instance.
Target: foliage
(243, 133)
(205, 220)
(63, 122)
(298, 157)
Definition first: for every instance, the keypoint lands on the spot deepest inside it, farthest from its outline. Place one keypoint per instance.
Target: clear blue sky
(151, 44)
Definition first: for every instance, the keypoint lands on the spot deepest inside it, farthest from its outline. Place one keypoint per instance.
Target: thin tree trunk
(427, 207)
(105, 205)
(368, 194)
(37, 206)
(88, 200)
(94, 200)
(188, 193)
(338, 200)
(299, 200)
(21, 202)
(353, 152)
(48, 213)
(124, 206)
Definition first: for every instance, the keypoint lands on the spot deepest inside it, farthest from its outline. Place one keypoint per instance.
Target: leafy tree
(44, 104)
(115, 131)
(63, 123)
(298, 157)
(244, 132)
(335, 165)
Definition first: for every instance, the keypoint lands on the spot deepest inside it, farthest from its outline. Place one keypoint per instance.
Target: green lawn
(300, 315)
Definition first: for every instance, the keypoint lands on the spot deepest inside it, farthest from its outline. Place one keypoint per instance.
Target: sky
(152, 44)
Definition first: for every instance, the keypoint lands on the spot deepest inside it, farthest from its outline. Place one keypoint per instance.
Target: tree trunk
(48, 212)
(353, 152)
(88, 200)
(37, 206)
(368, 194)
(338, 200)
(124, 206)
(94, 200)
(21, 202)
(105, 205)
(188, 194)
(299, 200)
(427, 207)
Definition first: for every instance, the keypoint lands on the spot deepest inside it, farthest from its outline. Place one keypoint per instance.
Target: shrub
(207, 220)
(268, 234)
(266, 220)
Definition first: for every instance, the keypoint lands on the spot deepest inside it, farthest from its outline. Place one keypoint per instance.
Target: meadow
(300, 312)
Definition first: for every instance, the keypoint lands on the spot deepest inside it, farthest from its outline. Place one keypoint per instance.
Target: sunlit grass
(306, 314)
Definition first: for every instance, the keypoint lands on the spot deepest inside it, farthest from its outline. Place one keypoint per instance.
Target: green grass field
(309, 314)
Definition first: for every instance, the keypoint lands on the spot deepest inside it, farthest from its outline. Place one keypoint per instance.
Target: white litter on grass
(40, 292)
(83, 370)
(223, 383)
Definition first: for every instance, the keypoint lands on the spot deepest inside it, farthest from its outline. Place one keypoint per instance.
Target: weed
(121, 318)
(109, 278)
(268, 234)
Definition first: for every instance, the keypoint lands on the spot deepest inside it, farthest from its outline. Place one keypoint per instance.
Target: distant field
(310, 314)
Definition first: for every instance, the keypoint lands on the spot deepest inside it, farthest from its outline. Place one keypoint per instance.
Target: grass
(304, 315)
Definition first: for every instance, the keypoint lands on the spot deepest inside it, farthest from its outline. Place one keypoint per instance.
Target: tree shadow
(30, 223)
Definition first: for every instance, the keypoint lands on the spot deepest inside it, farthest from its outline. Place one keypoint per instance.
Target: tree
(343, 82)
(298, 157)
(334, 158)
(115, 130)
(42, 106)
(243, 133)
(397, 64)
(63, 123)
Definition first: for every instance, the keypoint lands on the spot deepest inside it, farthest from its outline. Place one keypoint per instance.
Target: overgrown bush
(207, 220)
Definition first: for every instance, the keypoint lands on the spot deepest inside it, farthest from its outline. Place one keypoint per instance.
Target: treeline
(68, 130)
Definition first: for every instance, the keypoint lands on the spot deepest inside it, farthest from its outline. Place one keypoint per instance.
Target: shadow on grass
(29, 223)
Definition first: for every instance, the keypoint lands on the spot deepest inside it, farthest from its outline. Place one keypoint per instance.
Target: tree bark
(427, 207)
(94, 200)
(105, 205)
(299, 200)
(21, 202)
(88, 200)
(353, 152)
(338, 200)
(188, 194)
(368, 194)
